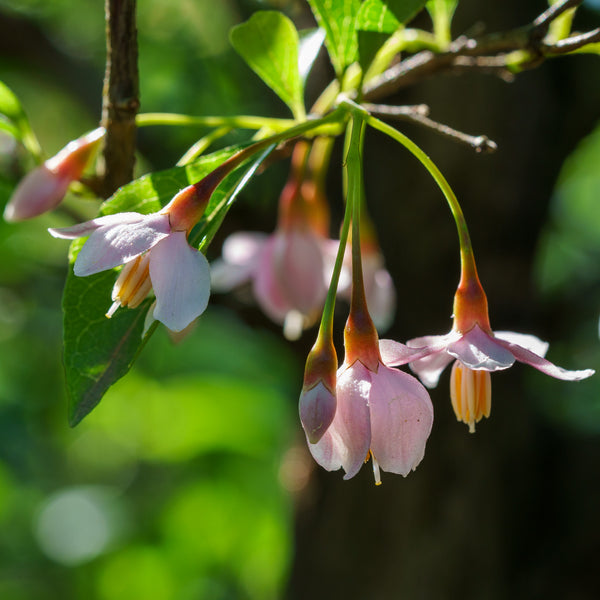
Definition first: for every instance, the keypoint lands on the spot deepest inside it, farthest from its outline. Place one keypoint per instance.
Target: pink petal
(429, 368)
(116, 244)
(87, 228)
(401, 420)
(346, 443)
(299, 267)
(381, 298)
(225, 276)
(240, 257)
(525, 340)
(268, 288)
(38, 192)
(181, 280)
(243, 248)
(317, 407)
(545, 366)
(394, 353)
(478, 350)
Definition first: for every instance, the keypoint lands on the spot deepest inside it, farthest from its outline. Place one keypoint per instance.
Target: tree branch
(418, 114)
(489, 53)
(120, 102)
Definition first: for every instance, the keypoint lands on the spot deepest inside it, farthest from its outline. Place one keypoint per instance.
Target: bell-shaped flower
(288, 269)
(43, 188)
(156, 255)
(476, 350)
(382, 413)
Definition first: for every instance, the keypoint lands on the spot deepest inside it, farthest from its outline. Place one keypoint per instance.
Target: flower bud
(318, 402)
(43, 188)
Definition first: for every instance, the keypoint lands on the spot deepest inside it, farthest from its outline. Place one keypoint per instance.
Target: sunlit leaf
(268, 42)
(374, 15)
(98, 351)
(16, 122)
(338, 19)
(311, 41)
(9, 104)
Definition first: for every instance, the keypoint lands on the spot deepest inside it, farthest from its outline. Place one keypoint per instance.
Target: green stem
(238, 121)
(326, 326)
(466, 250)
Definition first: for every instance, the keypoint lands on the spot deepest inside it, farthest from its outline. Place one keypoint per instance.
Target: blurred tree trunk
(490, 515)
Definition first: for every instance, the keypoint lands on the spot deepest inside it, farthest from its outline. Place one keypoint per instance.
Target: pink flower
(382, 413)
(156, 256)
(477, 351)
(43, 188)
(286, 269)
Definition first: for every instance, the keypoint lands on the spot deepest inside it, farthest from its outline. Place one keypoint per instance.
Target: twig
(120, 97)
(479, 143)
(489, 53)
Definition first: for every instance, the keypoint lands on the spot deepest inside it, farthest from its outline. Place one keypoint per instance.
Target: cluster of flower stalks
(364, 409)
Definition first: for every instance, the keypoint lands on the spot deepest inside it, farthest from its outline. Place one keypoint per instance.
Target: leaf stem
(238, 121)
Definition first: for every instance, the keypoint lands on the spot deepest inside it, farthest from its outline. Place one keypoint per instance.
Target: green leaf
(268, 42)
(338, 19)
(386, 16)
(9, 104)
(311, 41)
(98, 351)
(18, 124)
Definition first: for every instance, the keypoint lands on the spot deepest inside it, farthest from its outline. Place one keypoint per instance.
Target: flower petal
(116, 244)
(268, 289)
(545, 366)
(347, 441)
(401, 420)
(181, 280)
(39, 191)
(243, 248)
(87, 228)
(478, 350)
(394, 354)
(525, 340)
(299, 267)
(317, 407)
(430, 367)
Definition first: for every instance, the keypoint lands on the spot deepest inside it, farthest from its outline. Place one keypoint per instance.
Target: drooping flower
(43, 188)
(382, 413)
(476, 350)
(287, 269)
(156, 255)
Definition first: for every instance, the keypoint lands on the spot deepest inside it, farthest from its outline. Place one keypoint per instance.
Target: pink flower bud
(43, 188)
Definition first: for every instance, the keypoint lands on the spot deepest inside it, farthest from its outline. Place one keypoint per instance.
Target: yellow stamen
(471, 394)
(132, 285)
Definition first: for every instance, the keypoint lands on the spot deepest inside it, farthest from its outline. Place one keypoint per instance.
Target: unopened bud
(318, 402)
(43, 188)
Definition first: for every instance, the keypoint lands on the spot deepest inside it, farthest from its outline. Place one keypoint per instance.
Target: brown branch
(479, 143)
(487, 53)
(121, 94)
